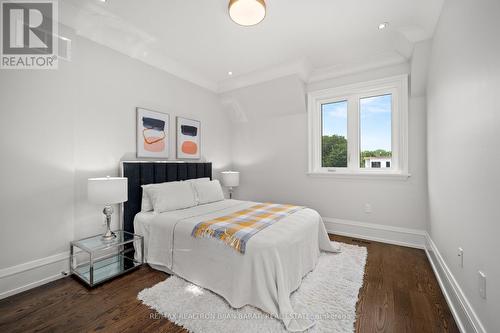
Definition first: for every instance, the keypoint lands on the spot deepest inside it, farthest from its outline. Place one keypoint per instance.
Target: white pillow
(198, 180)
(170, 196)
(146, 205)
(207, 192)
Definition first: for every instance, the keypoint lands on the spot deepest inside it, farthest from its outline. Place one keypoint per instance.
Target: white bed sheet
(275, 261)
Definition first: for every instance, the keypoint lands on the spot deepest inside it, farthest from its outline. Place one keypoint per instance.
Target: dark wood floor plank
(400, 294)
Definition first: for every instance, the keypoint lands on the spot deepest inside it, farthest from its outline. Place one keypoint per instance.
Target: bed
(275, 261)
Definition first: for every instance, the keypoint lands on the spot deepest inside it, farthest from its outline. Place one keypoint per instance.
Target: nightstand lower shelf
(94, 260)
(106, 269)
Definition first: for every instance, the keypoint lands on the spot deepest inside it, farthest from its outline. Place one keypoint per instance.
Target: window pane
(375, 132)
(334, 135)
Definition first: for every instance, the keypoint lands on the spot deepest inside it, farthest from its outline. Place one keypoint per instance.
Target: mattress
(141, 227)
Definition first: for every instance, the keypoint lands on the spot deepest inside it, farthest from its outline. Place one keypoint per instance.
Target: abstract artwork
(152, 134)
(188, 138)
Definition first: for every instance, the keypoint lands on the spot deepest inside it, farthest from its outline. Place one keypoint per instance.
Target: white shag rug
(328, 295)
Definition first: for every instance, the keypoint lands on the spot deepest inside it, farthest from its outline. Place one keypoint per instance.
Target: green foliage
(376, 153)
(334, 151)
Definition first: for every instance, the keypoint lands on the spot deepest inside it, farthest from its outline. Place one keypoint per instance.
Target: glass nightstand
(94, 260)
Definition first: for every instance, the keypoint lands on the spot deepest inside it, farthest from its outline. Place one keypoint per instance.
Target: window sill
(360, 175)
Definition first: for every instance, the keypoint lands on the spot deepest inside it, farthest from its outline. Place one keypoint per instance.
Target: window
(375, 131)
(334, 135)
(360, 129)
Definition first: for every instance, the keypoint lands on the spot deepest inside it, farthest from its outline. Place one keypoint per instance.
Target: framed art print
(152, 134)
(188, 138)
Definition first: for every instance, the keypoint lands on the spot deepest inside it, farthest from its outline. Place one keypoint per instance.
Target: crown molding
(306, 73)
(302, 68)
(94, 22)
(332, 72)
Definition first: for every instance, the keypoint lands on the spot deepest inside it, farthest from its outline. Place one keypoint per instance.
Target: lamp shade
(107, 191)
(230, 178)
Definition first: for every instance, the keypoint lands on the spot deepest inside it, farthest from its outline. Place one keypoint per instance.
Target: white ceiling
(197, 41)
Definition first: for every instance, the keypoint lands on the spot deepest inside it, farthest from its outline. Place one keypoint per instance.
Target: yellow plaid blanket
(237, 228)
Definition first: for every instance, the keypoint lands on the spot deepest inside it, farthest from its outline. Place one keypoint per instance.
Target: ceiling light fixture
(383, 25)
(229, 73)
(247, 12)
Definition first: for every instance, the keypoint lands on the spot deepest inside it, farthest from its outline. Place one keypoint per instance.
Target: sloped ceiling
(196, 40)
(256, 102)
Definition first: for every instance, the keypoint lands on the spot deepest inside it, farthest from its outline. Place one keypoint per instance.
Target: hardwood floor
(400, 294)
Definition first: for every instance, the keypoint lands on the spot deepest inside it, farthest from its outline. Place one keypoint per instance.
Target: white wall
(270, 150)
(464, 120)
(60, 127)
(37, 163)
(107, 105)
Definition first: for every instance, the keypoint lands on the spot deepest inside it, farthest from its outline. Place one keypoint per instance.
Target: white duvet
(275, 261)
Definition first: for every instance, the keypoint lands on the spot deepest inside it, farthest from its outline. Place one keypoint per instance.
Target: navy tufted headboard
(152, 172)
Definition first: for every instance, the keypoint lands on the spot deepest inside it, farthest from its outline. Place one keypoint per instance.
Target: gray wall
(270, 150)
(463, 147)
(60, 127)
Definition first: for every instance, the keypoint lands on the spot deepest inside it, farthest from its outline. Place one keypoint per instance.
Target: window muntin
(375, 128)
(334, 135)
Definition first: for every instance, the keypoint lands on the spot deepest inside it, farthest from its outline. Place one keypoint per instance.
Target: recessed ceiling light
(383, 25)
(247, 12)
(229, 73)
(102, 0)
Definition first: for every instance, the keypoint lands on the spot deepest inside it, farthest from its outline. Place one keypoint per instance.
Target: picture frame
(188, 133)
(153, 134)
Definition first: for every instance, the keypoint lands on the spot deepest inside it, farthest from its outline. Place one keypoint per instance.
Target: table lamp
(230, 179)
(107, 191)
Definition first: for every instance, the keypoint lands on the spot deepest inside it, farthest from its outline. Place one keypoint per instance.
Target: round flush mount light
(247, 12)
(383, 25)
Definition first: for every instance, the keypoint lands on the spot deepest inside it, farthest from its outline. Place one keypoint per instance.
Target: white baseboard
(465, 316)
(19, 278)
(376, 232)
(32, 274)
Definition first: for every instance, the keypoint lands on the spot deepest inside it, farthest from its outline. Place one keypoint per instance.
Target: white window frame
(397, 86)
